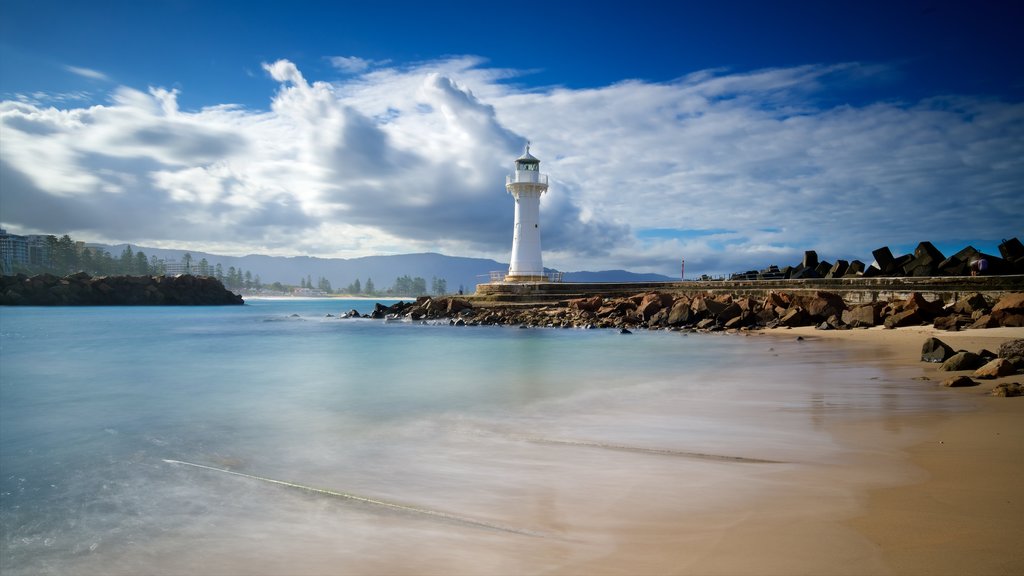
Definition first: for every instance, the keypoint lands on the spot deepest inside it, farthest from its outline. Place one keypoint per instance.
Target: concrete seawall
(853, 290)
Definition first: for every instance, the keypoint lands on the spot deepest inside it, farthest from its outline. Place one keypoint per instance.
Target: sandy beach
(964, 513)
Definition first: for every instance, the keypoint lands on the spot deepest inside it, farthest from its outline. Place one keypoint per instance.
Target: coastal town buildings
(31, 249)
(526, 185)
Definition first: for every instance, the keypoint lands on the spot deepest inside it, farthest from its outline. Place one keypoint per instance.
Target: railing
(515, 179)
(498, 276)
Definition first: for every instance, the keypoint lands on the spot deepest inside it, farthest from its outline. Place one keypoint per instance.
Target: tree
(302, 283)
(229, 280)
(127, 263)
(67, 253)
(141, 264)
(248, 279)
(369, 287)
(186, 259)
(219, 272)
(204, 267)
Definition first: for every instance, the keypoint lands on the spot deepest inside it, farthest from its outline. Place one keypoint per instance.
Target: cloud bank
(729, 170)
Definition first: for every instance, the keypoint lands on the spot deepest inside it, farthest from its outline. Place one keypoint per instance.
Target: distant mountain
(383, 270)
(614, 276)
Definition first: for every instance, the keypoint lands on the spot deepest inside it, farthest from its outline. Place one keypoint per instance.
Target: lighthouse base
(526, 278)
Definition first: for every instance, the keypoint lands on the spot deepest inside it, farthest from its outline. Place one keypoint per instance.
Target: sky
(730, 134)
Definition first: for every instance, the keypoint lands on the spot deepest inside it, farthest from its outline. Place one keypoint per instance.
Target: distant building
(33, 249)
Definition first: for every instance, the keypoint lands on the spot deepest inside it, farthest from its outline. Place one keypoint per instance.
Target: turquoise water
(506, 425)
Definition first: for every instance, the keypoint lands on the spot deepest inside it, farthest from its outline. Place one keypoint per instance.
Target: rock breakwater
(707, 312)
(81, 289)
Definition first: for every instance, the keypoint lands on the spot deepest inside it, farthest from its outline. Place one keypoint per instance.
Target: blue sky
(734, 134)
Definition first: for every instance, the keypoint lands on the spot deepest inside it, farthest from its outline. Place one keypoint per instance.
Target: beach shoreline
(962, 514)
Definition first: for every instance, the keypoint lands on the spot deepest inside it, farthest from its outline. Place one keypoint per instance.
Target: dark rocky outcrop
(962, 360)
(82, 289)
(1013, 351)
(959, 382)
(996, 369)
(1008, 389)
(935, 350)
(705, 311)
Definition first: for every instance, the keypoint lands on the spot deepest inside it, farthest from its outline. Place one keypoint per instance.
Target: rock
(995, 369)
(970, 303)
(904, 318)
(810, 260)
(838, 269)
(962, 360)
(883, 258)
(935, 350)
(820, 305)
(856, 269)
(1013, 351)
(958, 382)
(794, 317)
(651, 304)
(1013, 301)
(952, 322)
(925, 261)
(592, 304)
(680, 312)
(927, 309)
(1008, 389)
(985, 321)
(1009, 318)
(866, 315)
(624, 331)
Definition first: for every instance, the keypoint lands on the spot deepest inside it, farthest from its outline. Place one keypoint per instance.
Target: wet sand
(961, 511)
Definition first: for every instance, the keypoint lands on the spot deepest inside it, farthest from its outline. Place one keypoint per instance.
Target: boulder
(1013, 351)
(863, 316)
(1008, 389)
(856, 269)
(958, 382)
(679, 313)
(970, 303)
(810, 260)
(952, 322)
(883, 258)
(904, 318)
(996, 369)
(838, 269)
(935, 350)
(925, 262)
(592, 304)
(984, 321)
(794, 317)
(962, 360)
(651, 304)
(1013, 301)
(820, 305)
(928, 309)
(1011, 249)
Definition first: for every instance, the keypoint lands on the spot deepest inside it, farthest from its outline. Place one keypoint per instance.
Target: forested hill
(383, 270)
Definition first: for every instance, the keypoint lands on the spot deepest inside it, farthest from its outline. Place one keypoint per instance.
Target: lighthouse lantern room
(526, 185)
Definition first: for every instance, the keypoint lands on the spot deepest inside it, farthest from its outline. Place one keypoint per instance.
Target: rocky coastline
(81, 289)
(720, 312)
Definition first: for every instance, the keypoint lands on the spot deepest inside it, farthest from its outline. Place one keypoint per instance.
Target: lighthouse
(526, 185)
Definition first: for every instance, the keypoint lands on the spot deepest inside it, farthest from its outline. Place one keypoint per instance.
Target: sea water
(173, 440)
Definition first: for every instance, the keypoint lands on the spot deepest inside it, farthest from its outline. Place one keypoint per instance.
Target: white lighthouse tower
(526, 185)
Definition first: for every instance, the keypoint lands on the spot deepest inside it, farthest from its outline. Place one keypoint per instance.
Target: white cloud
(414, 158)
(87, 73)
(354, 64)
